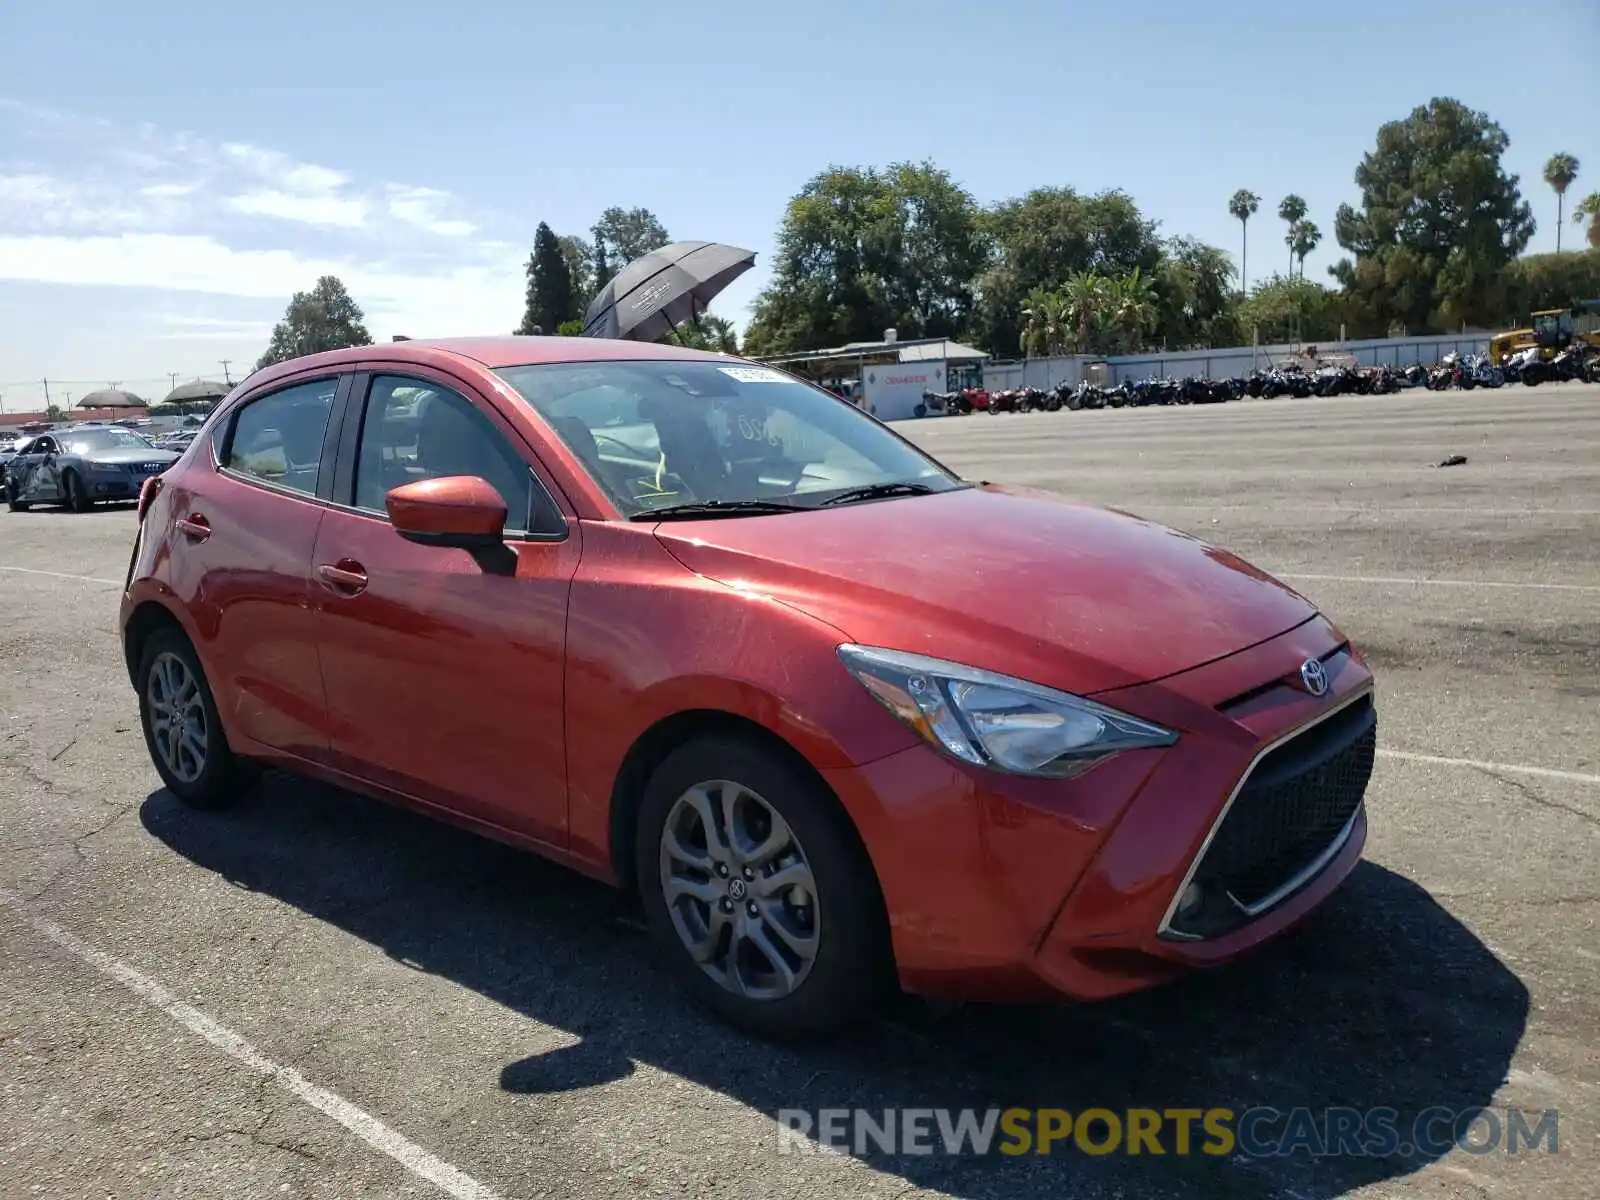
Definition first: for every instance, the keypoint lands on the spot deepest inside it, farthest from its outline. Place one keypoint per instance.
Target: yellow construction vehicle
(1553, 330)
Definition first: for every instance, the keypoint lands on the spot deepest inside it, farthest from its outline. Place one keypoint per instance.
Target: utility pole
(226, 378)
(173, 375)
(47, 393)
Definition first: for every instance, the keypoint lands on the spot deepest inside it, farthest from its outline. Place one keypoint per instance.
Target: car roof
(493, 352)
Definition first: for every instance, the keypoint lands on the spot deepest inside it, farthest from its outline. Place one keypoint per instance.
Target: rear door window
(278, 438)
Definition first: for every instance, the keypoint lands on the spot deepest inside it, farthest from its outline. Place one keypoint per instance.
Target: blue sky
(171, 171)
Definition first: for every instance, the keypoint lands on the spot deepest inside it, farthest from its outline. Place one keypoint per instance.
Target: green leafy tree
(1439, 221)
(1291, 210)
(862, 250)
(54, 413)
(550, 300)
(1043, 238)
(572, 328)
(325, 318)
(580, 269)
(1303, 239)
(1242, 205)
(1559, 173)
(1195, 299)
(1543, 281)
(1285, 309)
(1588, 209)
(622, 235)
(603, 269)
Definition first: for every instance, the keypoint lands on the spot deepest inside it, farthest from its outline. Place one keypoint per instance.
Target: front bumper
(114, 487)
(1007, 888)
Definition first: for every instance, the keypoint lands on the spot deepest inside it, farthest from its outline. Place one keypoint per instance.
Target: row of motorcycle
(1136, 394)
(1453, 371)
(1575, 364)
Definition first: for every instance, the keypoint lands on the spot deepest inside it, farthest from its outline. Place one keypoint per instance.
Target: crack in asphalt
(1527, 792)
(78, 856)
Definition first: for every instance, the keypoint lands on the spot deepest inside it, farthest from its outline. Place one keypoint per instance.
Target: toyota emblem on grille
(1314, 677)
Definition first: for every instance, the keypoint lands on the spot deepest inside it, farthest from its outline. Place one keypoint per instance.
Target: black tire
(224, 777)
(77, 498)
(12, 502)
(853, 964)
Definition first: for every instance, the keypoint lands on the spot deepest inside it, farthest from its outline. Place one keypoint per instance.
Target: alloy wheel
(739, 890)
(177, 717)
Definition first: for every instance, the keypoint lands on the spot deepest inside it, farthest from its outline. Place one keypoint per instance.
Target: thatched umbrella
(112, 398)
(204, 390)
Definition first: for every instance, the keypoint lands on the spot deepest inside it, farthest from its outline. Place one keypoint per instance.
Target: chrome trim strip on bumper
(1304, 876)
(1301, 878)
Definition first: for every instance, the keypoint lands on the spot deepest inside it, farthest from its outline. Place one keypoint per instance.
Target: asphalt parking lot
(315, 995)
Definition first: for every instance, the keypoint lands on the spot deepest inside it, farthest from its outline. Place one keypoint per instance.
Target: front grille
(1295, 803)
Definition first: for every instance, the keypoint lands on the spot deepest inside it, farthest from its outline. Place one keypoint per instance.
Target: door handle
(195, 527)
(345, 577)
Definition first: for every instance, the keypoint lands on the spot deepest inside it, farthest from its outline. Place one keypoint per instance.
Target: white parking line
(64, 575)
(451, 1180)
(1405, 580)
(1514, 768)
(1465, 510)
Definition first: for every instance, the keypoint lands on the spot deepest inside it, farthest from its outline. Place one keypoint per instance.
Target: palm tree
(1130, 309)
(1293, 210)
(1043, 329)
(1560, 171)
(1083, 305)
(1242, 207)
(1588, 209)
(1303, 239)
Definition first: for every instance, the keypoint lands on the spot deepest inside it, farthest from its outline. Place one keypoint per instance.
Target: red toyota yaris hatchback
(695, 627)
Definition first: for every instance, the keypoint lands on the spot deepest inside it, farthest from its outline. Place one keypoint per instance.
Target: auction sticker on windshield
(755, 375)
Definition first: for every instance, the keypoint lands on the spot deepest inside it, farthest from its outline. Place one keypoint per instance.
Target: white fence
(1225, 362)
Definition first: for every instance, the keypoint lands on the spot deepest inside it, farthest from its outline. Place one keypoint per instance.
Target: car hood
(1026, 583)
(124, 457)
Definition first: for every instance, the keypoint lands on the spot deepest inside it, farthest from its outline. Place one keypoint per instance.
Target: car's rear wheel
(77, 495)
(757, 893)
(181, 727)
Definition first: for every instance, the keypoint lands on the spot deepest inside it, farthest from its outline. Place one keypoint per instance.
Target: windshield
(89, 441)
(659, 434)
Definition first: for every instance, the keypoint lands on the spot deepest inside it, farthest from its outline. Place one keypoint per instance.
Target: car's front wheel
(181, 727)
(12, 502)
(77, 496)
(757, 892)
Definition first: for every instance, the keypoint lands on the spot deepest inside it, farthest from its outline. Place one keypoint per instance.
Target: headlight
(995, 721)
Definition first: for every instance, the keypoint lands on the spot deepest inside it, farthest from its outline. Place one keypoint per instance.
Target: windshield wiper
(717, 508)
(878, 491)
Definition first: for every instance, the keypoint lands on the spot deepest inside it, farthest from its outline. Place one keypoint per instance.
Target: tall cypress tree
(550, 297)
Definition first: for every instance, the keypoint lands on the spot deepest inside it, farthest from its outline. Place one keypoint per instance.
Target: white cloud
(284, 171)
(420, 206)
(119, 208)
(460, 298)
(340, 212)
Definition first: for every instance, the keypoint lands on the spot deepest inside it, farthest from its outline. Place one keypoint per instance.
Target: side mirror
(456, 510)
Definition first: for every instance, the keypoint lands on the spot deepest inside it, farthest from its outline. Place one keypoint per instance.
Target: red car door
(443, 665)
(244, 534)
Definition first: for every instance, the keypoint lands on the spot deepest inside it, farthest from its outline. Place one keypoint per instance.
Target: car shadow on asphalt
(1381, 999)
